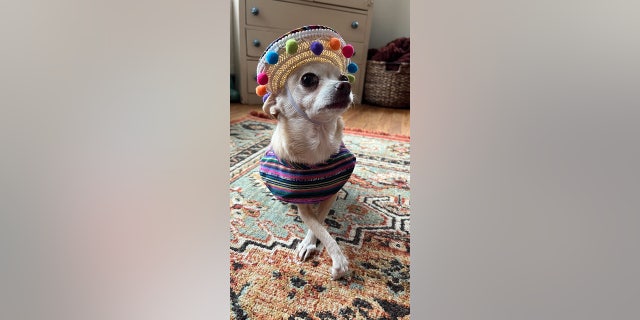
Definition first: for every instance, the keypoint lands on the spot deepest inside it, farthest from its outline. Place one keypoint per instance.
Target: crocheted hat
(299, 47)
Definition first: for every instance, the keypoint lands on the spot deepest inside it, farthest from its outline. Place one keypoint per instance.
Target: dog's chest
(326, 143)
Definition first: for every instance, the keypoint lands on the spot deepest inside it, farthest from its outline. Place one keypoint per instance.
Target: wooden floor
(362, 116)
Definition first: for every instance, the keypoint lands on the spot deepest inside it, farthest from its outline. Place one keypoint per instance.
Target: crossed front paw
(340, 267)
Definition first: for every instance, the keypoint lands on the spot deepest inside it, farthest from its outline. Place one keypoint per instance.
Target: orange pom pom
(261, 90)
(334, 43)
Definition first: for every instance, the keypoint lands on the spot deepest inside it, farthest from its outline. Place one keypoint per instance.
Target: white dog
(307, 162)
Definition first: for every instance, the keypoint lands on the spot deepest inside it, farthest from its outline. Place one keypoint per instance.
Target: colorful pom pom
(351, 77)
(265, 97)
(334, 43)
(261, 90)
(271, 57)
(263, 78)
(351, 68)
(292, 46)
(347, 51)
(316, 48)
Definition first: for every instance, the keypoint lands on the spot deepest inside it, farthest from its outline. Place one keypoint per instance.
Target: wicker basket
(387, 84)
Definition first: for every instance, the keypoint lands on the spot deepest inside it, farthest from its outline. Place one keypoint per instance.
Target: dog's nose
(343, 87)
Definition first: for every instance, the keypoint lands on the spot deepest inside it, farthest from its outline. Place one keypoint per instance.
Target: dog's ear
(271, 106)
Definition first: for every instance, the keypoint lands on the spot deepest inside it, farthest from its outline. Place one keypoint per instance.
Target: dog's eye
(342, 77)
(309, 80)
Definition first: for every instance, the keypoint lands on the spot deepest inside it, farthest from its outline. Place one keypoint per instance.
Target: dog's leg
(323, 211)
(340, 263)
(309, 244)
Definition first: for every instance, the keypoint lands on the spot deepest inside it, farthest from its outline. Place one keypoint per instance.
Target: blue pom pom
(271, 57)
(352, 67)
(316, 48)
(265, 97)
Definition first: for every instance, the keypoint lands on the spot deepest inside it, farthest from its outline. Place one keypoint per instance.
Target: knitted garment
(298, 183)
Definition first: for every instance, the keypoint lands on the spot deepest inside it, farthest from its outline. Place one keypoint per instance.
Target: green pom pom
(292, 46)
(351, 77)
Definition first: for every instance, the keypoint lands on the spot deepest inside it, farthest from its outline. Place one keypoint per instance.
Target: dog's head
(319, 89)
(308, 72)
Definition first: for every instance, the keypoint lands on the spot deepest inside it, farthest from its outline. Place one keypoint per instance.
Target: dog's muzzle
(342, 96)
(343, 88)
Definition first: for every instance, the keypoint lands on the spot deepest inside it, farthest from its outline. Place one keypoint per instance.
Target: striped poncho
(298, 183)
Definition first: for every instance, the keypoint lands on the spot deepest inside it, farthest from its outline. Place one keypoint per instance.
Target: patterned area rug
(370, 221)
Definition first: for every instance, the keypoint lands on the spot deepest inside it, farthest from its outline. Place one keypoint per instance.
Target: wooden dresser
(256, 23)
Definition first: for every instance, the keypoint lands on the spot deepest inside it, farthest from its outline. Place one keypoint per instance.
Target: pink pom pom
(263, 78)
(347, 51)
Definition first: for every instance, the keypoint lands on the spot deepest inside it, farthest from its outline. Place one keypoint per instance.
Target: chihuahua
(305, 82)
(308, 133)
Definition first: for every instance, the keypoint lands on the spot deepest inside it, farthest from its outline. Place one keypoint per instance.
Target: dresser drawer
(283, 15)
(262, 38)
(359, 4)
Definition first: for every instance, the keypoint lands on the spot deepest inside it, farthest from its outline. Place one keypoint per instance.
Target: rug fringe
(261, 115)
(255, 115)
(377, 133)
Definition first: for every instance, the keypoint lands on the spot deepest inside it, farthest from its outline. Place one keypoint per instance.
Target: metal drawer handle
(354, 25)
(256, 43)
(255, 11)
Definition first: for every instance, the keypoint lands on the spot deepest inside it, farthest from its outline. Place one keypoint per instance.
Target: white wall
(232, 45)
(390, 21)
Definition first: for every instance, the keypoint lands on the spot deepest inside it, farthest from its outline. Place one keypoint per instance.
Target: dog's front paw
(306, 249)
(304, 252)
(340, 267)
